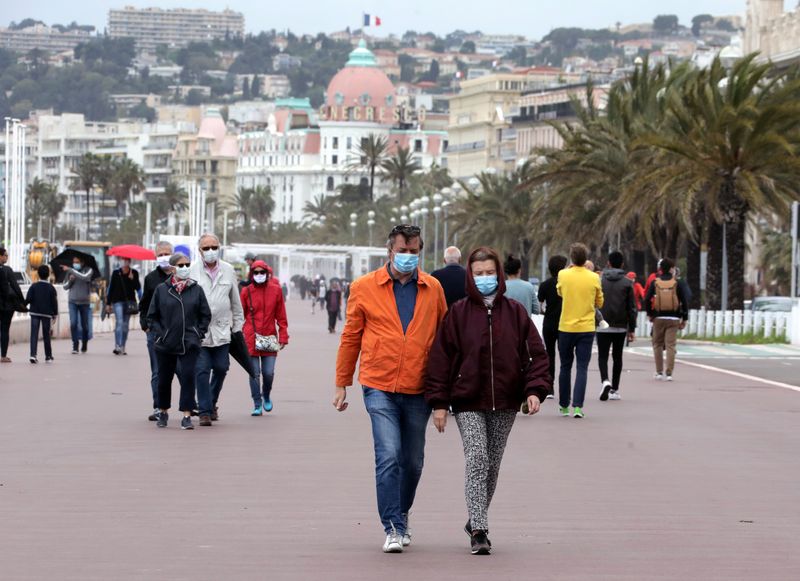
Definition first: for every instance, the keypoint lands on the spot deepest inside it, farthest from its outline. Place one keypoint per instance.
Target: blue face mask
(486, 284)
(77, 266)
(406, 263)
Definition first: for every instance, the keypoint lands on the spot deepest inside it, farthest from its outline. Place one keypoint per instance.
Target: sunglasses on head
(206, 248)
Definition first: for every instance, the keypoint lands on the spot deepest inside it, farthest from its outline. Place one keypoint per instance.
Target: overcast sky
(533, 18)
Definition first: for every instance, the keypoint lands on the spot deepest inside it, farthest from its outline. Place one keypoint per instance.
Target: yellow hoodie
(580, 288)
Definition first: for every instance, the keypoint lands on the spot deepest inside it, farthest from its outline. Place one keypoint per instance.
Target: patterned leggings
(484, 435)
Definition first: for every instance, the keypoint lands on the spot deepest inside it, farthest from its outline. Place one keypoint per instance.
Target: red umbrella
(132, 251)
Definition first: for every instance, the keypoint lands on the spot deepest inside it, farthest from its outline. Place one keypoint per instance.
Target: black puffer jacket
(180, 320)
(619, 307)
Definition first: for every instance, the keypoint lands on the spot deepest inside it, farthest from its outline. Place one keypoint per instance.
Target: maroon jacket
(473, 373)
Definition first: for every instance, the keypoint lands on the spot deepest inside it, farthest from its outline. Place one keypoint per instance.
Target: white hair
(207, 235)
(163, 245)
(452, 255)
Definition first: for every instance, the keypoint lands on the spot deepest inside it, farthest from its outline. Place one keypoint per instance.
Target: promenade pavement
(697, 479)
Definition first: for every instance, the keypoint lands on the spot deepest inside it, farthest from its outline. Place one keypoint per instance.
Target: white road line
(737, 374)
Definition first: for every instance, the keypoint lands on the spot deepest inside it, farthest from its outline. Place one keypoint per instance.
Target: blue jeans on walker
(79, 314)
(122, 320)
(263, 367)
(398, 431)
(212, 367)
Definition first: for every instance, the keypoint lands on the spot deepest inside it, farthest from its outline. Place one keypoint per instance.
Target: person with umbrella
(79, 285)
(179, 315)
(121, 300)
(11, 300)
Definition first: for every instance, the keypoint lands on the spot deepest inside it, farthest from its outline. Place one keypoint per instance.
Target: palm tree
(731, 148)
(499, 213)
(399, 168)
(38, 194)
(174, 198)
(86, 175)
(371, 154)
(243, 199)
(261, 205)
(319, 208)
(128, 181)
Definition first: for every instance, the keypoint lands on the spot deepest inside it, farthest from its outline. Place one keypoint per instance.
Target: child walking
(42, 302)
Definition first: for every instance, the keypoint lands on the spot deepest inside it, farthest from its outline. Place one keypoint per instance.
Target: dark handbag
(131, 307)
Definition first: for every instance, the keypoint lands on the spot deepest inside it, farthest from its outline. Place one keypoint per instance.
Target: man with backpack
(667, 304)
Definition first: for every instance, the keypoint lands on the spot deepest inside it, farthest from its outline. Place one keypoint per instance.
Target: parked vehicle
(772, 304)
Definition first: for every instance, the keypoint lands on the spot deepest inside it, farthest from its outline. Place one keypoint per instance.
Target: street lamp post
(437, 211)
(370, 224)
(353, 218)
(424, 211)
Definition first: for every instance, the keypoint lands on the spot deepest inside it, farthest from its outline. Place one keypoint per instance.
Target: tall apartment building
(151, 27)
(42, 37)
(480, 132)
(61, 140)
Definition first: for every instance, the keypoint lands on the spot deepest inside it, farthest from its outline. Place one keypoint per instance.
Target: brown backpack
(665, 299)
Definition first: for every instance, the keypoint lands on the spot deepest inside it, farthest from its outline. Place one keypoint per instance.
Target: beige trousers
(665, 336)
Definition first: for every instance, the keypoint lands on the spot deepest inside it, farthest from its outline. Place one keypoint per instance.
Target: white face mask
(260, 278)
(182, 272)
(211, 256)
(163, 262)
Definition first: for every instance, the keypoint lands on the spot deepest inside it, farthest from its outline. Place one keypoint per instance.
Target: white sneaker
(614, 395)
(407, 534)
(669, 378)
(393, 544)
(549, 396)
(606, 389)
(658, 376)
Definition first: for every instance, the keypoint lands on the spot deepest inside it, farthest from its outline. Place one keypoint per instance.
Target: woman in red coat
(265, 317)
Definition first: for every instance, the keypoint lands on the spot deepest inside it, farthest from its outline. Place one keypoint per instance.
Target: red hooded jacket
(263, 304)
(486, 358)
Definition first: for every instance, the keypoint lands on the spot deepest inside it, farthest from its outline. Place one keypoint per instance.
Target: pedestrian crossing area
(723, 351)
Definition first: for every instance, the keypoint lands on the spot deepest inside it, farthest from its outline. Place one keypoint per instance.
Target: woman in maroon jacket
(487, 360)
(264, 310)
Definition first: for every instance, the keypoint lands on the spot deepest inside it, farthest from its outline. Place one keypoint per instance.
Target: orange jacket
(390, 360)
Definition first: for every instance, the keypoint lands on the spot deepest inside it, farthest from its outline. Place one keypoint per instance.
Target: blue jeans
(216, 360)
(573, 346)
(122, 320)
(398, 432)
(79, 314)
(264, 366)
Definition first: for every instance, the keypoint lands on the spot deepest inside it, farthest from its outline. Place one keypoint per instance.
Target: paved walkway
(697, 479)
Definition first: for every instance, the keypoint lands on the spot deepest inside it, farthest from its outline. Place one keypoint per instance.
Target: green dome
(362, 56)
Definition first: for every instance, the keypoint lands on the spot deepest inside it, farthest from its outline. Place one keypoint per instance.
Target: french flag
(370, 20)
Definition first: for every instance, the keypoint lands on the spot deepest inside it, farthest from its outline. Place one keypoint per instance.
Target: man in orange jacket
(392, 317)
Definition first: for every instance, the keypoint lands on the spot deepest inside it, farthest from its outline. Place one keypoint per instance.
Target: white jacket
(223, 299)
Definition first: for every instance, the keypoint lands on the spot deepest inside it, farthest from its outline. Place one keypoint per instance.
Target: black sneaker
(49, 359)
(84, 347)
(480, 543)
(163, 418)
(468, 530)
(153, 417)
(74, 348)
(186, 423)
(215, 414)
(33, 359)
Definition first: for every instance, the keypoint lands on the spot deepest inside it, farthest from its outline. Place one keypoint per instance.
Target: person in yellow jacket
(581, 293)
(392, 317)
